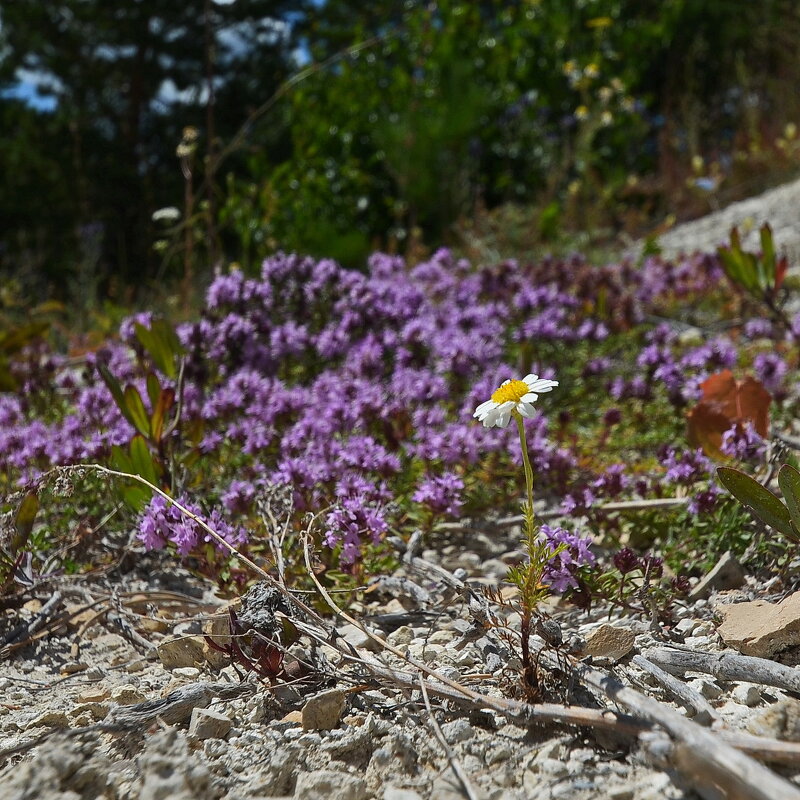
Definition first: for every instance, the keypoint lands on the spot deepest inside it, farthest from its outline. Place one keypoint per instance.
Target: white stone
(403, 635)
(685, 626)
(190, 673)
(459, 730)
(209, 724)
(709, 689)
(748, 694)
(330, 786)
(323, 711)
(395, 793)
(127, 695)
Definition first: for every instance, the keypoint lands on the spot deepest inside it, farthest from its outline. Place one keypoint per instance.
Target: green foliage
(763, 504)
(120, 87)
(148, 452)
(758, 274)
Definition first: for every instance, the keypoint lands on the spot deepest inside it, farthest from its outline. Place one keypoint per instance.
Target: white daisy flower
(513, 397)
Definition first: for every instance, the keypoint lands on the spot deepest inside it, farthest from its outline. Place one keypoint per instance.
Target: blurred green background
(145, 142)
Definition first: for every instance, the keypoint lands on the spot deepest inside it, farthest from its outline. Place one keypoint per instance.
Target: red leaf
(724, 402)
(780, 272)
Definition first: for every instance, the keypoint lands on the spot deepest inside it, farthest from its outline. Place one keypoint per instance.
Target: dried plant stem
(455, 764)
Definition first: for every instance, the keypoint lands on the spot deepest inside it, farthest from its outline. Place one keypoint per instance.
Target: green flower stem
(529, 518)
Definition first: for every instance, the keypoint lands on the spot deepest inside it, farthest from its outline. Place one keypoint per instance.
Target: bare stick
(176, 707)
(27, 629)
(726, 667)
(693, 701)
(648, 504)
(455, 764)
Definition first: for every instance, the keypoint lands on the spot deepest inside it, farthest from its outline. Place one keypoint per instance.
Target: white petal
(490, 416)
(530, 378)
(526, 410)
(505, 382)
(503, 419)
(531, 397)
(542, 385)
(484, 407)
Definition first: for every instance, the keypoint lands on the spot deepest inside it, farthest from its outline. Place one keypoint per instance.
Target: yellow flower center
(514, 390)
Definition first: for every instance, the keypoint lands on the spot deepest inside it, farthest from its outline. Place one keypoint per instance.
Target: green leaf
(166, 400)
(135, 496)
(142, 460)
(153, 388)
(768, 254)
(116, 392)
(23, 521)
(789, 481)
(734, 267)
(138, 413)
(120, 460)
(758, 500)
(162, 345)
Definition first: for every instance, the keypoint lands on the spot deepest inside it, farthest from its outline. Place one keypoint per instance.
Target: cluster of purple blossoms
(163, 522)
(560, 573)
(742, 442)
(339, 384)
(685, 467)
(441, 493)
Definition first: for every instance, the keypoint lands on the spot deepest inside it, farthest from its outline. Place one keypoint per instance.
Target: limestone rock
(759, 628)
(209, 724)
(182, 651)
(323, 711)
(356, 637)
(610, 641)
(217, 628)
(781, 720)
(127, 695)
(727, 573)
(50, 719)
(396, 793)
(329, 785)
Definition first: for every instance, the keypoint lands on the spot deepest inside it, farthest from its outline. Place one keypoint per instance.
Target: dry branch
(703, 757)
(690, 699)
(726, 667)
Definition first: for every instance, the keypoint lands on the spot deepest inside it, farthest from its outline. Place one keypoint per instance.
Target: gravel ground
(333, 740)
(780, 207)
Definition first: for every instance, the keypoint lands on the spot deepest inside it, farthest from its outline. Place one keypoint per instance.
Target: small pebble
(747, 694)
(685, 626)
(708, 689)
(403, 635)
(127, 695)
(190, 673)
(209, 724)
(459, 730)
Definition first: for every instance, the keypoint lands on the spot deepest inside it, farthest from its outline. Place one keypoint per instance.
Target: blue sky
(27, 92)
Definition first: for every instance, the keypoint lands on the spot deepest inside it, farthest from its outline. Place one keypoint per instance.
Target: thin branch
(690, 699)
(455, 764)
(727, 667)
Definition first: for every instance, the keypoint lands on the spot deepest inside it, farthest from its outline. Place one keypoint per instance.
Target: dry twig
(691, 700)
(455, 764)
(727, 667)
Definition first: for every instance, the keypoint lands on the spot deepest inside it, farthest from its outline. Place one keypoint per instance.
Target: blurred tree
(126, 79)
(464, 104)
